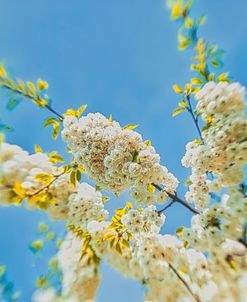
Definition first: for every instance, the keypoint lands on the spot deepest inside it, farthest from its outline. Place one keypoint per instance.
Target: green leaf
(12, 104)
(78, 175)
(73, 177)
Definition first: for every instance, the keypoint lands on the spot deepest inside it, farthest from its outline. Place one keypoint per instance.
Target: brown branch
(45, 187)
(175, 198)
(196, 298)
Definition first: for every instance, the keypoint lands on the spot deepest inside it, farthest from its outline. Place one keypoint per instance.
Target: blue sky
(119, 57)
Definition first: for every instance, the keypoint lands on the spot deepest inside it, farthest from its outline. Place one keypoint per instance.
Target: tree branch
(195, 120)
(175, 198)
(196, 298)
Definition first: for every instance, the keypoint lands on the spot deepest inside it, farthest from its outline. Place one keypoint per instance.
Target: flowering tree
(206, 262)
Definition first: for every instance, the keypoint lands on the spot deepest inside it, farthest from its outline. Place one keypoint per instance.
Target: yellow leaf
(176, 11)
(82, 169)
(211, 76)
(2, 270)
(201, 20)
(148, 143)
(80, 110)
(188, 22)
(70, 112)
(49, 121)
(179, 231)
(197, 141)
(130, 127)
(182, 104)
(196, 81)
(105, 198)
(42, 282)
(54, 157)
(50, 236)
(223, 76)
(188, 88)
(151, 188)
(43, 227)
(42, 85)
(37, 245)
(177, 111)
(129, 205)
(186, 244)
(41, 102)
(195, 89)
(37, 149)
(56, 129)
(3, 72)
(1, 138)
(44, 178)
(18, 189)
(31, 86)
(177, 89)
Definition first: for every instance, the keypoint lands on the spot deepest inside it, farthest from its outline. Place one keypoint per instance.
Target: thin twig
(47, 186)
(196, 298)
(195, 120)
(175, 198)
(166, 207)
(32, 98)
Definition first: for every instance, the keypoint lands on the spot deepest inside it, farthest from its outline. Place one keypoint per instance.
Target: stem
(166, 207)
(195, 120)
(196, 298)
(47, 186)
(61, 118)
(175, 198)
(26, 95)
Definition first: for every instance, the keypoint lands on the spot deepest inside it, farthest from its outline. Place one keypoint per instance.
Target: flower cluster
(46, 295)
(18, 168)
(224, 149)
(80, 278)
(125, 262)
(116, 158)
(146, 220)
(85, 205)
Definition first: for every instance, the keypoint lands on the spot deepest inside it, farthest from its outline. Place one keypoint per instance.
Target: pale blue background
(119, 57)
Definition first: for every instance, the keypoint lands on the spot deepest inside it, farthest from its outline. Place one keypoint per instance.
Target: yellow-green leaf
(130, 127)
(80, 110)
(148, 143)
(31, 86)
(177, 111)
(223, 76)
(56, 129)
(49, 121)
